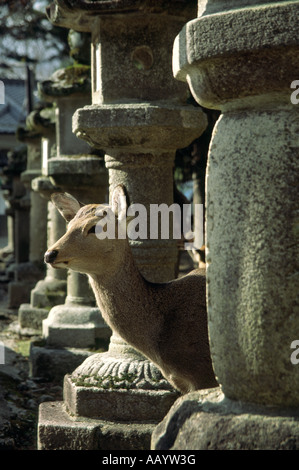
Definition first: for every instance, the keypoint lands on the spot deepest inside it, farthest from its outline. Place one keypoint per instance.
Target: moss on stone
(107, 382)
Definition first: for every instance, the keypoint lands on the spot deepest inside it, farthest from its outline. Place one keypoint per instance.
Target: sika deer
(166, 322)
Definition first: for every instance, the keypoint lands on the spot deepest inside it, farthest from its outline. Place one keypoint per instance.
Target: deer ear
(66, 204)
(119, 202)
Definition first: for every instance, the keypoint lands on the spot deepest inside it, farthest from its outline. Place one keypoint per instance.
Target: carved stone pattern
(107, 371)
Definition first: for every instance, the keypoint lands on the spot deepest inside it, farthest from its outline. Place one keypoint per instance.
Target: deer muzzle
(50, 256)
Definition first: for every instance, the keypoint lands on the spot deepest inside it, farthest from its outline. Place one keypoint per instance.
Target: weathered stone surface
(208, 421)
(139, 126)
(61, 14)
(48, 292)
(67, 142)
(74, 325)
(242, 59)
(136, 405)
(75, 172)
(252, 176)
(120, 385)
(257, 292)
(131, 46)
(58, 431)
(207, 7)
(120, 367)
(32, 317)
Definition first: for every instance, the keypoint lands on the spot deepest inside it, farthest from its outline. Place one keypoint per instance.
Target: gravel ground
(20, 394)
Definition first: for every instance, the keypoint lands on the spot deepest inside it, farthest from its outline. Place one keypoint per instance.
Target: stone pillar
(199, 155)
(7, 252)
(74, 168)
(13, 190)
(51, 290)
(30, 219)
(139, 117)
(243, 62)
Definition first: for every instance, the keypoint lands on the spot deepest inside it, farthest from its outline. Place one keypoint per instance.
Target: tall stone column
(74, 169)
(14, 190)
(139, 117)
(75, 326)
(7, 252)
(30, 218)
(51, 290)
(243, 60)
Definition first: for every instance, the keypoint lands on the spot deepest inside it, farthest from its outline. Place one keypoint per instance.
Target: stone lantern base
(59, 431)
(108, 404)
(213, 422)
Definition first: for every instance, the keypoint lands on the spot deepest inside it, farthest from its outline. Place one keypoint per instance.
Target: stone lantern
(50, 290)
(30, 215)
(242, 58)
(139, 117)
(77, 323)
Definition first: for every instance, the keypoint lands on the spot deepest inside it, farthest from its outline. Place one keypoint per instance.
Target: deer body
(166, 322)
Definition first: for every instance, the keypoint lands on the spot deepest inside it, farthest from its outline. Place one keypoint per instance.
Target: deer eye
(92, 229)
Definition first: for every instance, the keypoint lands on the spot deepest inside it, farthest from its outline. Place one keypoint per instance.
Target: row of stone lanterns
(240, 59)
(63, 307)
(29, 225)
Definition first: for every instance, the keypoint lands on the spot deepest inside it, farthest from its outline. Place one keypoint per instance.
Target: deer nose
(50, 256)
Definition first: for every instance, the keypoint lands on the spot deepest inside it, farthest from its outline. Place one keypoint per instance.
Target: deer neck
(124, 300)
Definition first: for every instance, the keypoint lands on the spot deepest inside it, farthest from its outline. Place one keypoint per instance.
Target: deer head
(87, 246)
